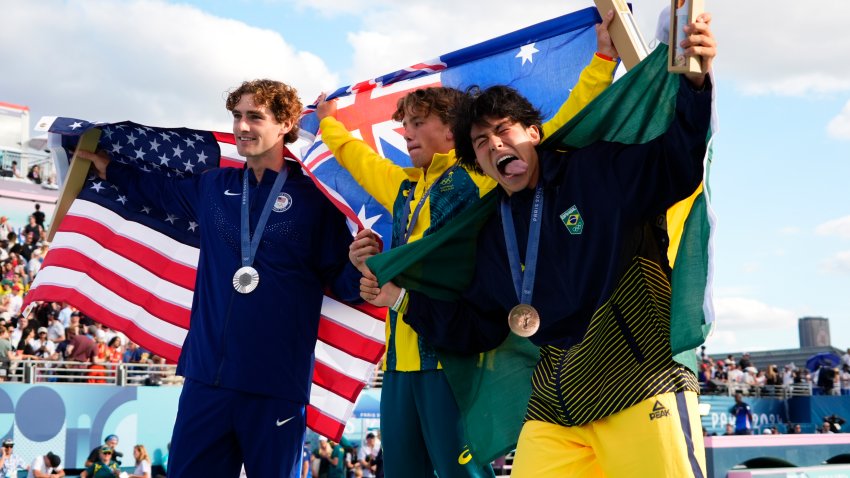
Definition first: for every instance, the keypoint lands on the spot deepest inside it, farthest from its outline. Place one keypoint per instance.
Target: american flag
(132, 267)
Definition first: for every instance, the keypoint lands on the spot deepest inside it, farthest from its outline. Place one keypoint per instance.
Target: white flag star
(165, 136)
(97, 186)
(154, 145)
(202, 158)
(189, 166)
(76, 125)
(122, 199)
(131, 139)
(177, 151)
(367, 222)
(193, 225)
(146, 209)
(190, 143)
(116, 148)
(171, 218)
(526, 53)
(140, 154)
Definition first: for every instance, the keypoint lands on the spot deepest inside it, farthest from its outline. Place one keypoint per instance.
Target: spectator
(102, 466)
(10, 462)
(65, 314)
(24, 348)
(825, 428)
(834, 422)
(306, 467)
(38, 215)
(367, 453)
(16, 171)
(730, 429)
(322, 458)
(143, 463)
(33, 228)
(114, 352)
(743, 415)
(81, 348)
(55, 329)
(30, 244)
(110, 442)
(42, 347)
(745, 361)
(35, 174)
(826, 377)
(337, 461)
(5, 227)
(18, 332)
(7, 352)
(16, 301)
(34, 264)
(46, 466)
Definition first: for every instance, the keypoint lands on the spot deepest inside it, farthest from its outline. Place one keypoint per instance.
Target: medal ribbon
(523, 281)
(250, 243)
(405, 236)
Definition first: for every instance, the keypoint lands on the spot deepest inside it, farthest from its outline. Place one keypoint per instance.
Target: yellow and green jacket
(390, 184)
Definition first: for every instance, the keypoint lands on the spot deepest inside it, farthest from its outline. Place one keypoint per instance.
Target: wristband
(400, 300)
(604, 57)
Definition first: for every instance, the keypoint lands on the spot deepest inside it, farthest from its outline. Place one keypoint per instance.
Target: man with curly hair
(270, 243)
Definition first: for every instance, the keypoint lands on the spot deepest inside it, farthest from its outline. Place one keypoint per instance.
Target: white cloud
(839, 127)
(837, 227)
(839, 263)
(750, 314)
(145, 60)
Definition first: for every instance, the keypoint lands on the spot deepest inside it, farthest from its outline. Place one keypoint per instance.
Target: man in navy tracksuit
(248, 355)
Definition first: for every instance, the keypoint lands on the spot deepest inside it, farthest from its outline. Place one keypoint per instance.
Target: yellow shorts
(658, 437)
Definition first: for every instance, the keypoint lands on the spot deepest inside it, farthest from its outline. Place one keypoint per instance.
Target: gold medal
(524, 320)
(246, 279)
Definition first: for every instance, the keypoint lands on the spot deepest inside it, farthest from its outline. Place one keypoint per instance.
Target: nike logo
(282, 422)
(228, 193)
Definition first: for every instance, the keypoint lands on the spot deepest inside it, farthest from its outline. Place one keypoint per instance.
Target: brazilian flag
(492, 389)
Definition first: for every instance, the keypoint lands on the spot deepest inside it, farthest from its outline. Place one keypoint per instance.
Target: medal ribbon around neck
(250, 243)
(405, 236)
(523, 281)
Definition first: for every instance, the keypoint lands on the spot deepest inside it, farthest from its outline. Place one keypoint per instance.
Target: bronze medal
(524, 320)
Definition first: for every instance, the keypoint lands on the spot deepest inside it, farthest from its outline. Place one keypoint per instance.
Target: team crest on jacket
(282, 203)
(572, 219)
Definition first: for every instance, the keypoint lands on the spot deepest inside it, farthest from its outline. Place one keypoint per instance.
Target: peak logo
(659, 411)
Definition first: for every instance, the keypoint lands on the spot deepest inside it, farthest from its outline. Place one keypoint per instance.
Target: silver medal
(246, 279)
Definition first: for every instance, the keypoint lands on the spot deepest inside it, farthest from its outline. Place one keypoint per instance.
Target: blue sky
(781, 166)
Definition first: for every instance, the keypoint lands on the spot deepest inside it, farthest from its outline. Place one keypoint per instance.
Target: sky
(782, 154)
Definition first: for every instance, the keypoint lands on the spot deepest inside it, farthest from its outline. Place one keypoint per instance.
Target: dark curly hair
(281, 99)
(439, 100)
(496, 102)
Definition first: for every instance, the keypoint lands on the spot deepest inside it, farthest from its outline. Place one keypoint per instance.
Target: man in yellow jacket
(420, 423)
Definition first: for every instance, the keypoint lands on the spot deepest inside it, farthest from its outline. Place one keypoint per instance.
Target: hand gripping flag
(132, 267)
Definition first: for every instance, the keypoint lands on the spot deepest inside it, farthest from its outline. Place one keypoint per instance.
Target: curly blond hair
(280, 98)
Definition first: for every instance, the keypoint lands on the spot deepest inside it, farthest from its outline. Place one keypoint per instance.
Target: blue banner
(71, 420)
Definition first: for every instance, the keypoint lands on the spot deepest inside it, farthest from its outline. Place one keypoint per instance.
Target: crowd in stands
(103, 461)
(34, 174)
(50, 331)
(733, 374)
(330, 459)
